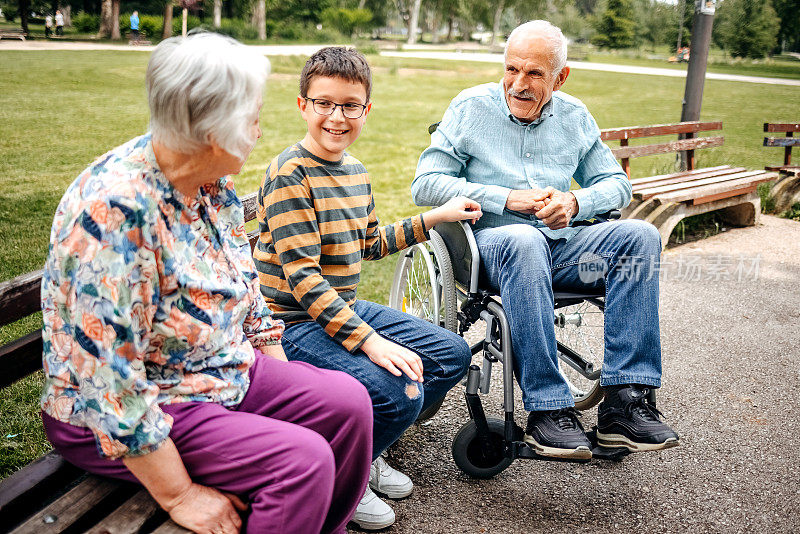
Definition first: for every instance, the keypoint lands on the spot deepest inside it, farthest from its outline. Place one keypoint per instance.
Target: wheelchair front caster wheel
(476, 457)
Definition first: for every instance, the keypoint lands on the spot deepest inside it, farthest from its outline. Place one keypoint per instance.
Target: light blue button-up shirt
(481, 151)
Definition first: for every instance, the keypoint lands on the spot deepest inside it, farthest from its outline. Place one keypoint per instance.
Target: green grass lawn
(60, 110)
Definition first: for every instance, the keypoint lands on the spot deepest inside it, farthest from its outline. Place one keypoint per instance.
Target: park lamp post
(698, 60)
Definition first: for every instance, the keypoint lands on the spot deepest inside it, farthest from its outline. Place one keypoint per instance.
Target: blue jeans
(622, 256)
(395, 406)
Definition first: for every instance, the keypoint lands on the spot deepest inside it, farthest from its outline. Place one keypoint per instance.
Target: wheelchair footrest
(523, 450)
(614, 454)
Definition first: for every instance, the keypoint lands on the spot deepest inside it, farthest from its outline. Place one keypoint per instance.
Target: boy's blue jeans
(396, 400)
(524, 265)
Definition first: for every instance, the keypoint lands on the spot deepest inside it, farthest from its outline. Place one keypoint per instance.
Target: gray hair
(549, 32)
(204, 88)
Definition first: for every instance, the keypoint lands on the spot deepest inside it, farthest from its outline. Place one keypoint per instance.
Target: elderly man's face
(529, 80)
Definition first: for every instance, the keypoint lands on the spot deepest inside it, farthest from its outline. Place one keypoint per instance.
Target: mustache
(522, 94)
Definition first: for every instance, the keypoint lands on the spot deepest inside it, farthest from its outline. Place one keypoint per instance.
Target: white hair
(204, 88)
(549, 32)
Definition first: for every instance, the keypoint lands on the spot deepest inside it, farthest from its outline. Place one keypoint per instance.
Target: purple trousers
(298, 447)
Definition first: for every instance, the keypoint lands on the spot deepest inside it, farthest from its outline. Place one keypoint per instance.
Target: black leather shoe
(626, 419)
(558, 434)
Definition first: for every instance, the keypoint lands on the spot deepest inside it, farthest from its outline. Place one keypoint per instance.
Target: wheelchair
(438, 282)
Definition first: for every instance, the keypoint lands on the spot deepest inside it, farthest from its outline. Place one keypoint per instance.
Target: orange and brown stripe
(317, 222)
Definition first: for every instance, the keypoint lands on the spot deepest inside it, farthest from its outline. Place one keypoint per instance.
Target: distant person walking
(59, 23)
(48, 26)
(135, 26)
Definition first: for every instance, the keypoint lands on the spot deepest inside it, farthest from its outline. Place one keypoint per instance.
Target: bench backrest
(686, 143)
(788, 142)
(21, 297)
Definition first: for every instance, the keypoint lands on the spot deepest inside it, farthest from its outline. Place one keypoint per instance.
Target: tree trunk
(261, 19)
(413, 22)
(66, 12)
(451, 22)
(361, 4)
(167, 31)
(115, 20)
(184, 22)
(24, 9)
(105, 19)
(217, 13)
(435, 22)
(498, 15)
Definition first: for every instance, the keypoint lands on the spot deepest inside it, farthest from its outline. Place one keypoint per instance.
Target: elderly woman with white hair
(162, 363)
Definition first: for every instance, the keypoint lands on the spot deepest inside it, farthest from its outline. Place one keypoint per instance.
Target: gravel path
(731, 358)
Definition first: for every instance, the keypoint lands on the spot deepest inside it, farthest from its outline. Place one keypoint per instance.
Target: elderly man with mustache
(514, 147)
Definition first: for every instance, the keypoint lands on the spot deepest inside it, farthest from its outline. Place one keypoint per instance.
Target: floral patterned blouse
(149, 298)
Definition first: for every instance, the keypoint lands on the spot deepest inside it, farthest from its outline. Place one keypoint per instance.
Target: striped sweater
(317, 222)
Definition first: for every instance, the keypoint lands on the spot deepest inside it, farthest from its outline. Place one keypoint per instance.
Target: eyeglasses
(350, 110)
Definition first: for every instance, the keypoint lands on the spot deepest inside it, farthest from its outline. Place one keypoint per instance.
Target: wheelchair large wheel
(477, 458)
(580, 327)
(423, 284)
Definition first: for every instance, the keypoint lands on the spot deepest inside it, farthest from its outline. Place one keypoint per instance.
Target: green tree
(615, 26)
(789, 13)
(747, 28)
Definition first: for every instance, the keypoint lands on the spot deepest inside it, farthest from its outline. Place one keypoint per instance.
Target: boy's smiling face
(329, 135)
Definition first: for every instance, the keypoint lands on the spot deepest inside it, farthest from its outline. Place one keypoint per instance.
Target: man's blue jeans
(396, 400)
(524, 266)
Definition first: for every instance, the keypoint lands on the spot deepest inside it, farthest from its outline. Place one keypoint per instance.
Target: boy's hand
(393, 357)
(455, 209)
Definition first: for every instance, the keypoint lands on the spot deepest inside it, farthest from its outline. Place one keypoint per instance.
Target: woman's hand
(274, 351)
(207, 511)
(455, 209)
(199, 508)
(393, 357)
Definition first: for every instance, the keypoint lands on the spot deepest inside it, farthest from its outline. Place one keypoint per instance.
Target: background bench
(16, 33)
(50, 495)
(664, 200)
(786, 191)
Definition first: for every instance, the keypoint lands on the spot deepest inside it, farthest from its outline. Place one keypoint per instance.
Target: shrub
(10, 11)
(86, 23)
(236, 28)
(192, 22)
(347, 21)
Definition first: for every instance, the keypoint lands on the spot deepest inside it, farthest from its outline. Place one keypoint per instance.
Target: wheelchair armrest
(599, 218)
(463, 252)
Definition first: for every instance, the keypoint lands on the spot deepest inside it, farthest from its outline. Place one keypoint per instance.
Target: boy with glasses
(317, 222)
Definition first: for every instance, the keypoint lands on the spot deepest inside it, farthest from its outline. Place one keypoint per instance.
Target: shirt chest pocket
(555, 170)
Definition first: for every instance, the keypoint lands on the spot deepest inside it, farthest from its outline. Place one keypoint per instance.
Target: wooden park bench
(666, 199)
(50, 495)
(13, 33)
(786, 191)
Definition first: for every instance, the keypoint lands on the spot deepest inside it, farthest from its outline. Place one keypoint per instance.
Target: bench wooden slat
(781, 127)
(713, 189)
(250, 203)
(658, 177)
(650, 192)
(723, 195)
(611, 134)
(65, 510)
(20, 297)
(782, 141)
(686, 177)
(128, 518)
(20, 358)
(789, 169)
(664, 148)
(48, 470)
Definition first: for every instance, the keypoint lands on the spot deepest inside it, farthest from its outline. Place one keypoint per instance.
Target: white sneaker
(372, 513)
(389, 481)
